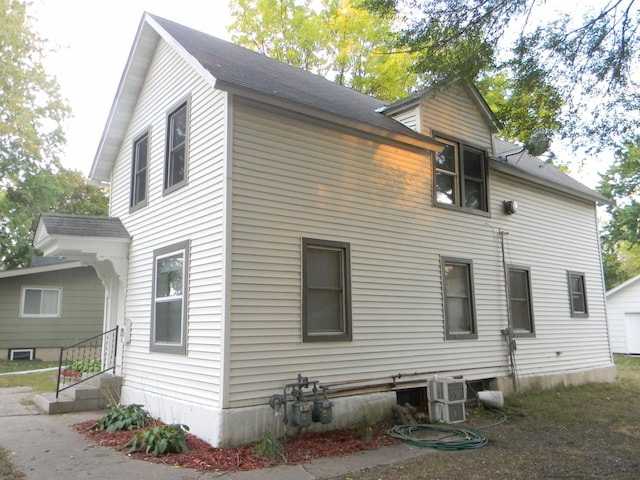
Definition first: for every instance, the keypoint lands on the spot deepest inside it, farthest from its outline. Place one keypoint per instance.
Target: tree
(32, 112)
(31, 108)
(64, 191)
(593, 57)
(336, 39)
(621, 235)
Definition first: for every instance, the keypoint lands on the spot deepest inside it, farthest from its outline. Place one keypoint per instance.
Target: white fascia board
(43, 269)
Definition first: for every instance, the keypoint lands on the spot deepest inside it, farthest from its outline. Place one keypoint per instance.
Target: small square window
(44, 302)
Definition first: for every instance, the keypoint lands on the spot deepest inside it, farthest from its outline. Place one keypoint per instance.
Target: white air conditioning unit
(448, 390)
(449, 412)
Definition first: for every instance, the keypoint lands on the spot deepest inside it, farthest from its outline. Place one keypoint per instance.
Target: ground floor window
(458, 292)
(41, 302)
(170, 273)
(520, 303)
(577, 294)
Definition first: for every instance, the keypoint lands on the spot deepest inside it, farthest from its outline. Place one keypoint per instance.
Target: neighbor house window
(168, 325)
(520, 304)
(176, 154)
(326, 287)
(577, 294)
(459, 307)
(461, 177)
(139, 170)
(40, 302)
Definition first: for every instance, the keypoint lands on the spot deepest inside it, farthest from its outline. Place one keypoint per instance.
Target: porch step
(95, 394)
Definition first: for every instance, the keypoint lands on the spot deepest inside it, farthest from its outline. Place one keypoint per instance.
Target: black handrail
(87, 359)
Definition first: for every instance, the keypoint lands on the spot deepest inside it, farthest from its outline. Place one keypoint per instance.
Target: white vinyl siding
(623, 308)
(377, 197)
(193, 213)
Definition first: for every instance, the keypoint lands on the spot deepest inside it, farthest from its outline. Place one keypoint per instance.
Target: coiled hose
(445, 438)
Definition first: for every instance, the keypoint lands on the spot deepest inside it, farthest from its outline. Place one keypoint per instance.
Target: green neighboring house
(51, 304)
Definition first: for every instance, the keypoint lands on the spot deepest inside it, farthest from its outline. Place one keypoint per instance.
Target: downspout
(508, 332)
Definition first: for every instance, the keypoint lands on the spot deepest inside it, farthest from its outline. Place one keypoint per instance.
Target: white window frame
(23, 295)
(13, 351)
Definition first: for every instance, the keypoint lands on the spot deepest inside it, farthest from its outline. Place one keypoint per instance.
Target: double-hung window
(175, 171)
(326, 285)
(520, 304)
(459, 306)
(577, 294)
(169, 309)
(41, 302)
(461, 177)
(139, 166)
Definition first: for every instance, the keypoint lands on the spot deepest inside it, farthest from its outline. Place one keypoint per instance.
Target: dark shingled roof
(84, 226)
(237, 66)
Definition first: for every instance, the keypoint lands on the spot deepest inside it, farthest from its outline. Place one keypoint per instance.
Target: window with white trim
(169, 311)
(41, 302)
(461, 177)
(458, 293)
(326, 299)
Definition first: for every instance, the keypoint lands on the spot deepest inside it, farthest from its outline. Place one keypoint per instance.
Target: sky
(93, 39)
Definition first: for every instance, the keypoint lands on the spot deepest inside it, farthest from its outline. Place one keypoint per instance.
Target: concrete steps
(95, 394)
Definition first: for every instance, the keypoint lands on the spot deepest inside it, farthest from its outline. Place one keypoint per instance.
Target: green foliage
(123, 417)
(85, 366)
(160, 440)
(333, 38)
(270, 447)
(573, 58)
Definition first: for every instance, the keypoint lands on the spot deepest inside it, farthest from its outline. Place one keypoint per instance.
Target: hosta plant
(123, 417)
(160, 440)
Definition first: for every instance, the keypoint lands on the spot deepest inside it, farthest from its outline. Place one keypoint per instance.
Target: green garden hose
(443, 438)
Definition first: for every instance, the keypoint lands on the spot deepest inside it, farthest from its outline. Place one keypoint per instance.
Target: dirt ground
(589, 432)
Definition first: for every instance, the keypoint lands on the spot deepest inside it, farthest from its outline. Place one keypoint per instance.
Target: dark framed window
(326, 286)
(520, 303)
(41, 302)
(169, 309)
(175, 171)
(139, 168)
(458, 293)
(461, 177)
(578, 294)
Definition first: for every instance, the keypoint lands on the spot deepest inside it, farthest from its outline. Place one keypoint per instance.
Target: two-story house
(266, 222)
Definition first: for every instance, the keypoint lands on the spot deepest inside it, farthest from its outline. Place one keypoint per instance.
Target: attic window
(460, 177)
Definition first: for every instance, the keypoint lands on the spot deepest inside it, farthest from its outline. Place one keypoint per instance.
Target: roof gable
(623, 286)
(233, 68)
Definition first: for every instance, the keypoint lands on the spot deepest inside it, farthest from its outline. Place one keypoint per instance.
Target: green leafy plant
(160, 440)
(85, 366)
(123, 417)
(270, 447)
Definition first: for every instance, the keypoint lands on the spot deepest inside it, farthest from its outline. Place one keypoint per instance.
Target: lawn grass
(38, 381)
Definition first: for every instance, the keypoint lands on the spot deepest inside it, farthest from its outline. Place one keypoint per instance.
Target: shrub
(85, 366)
(160, 440)
(123, 417)
(271, 448)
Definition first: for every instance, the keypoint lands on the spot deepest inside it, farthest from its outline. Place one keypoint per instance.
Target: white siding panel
(620, 304)
(453, 113)
(194, 212)
(293, 180)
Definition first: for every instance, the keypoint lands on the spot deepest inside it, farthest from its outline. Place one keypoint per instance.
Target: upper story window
(520, 304)
(461, 177)
(41, 302)
(459, 305)
(326, 299)
(175, 168)
(139, 168)
(577, 294)
(168, 324)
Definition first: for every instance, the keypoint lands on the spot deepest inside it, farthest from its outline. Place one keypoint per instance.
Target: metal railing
(87, 359)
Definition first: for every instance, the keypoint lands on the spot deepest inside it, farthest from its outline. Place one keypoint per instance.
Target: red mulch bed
(202, 456)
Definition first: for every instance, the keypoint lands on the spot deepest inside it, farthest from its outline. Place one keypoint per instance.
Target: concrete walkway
(45, 447)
